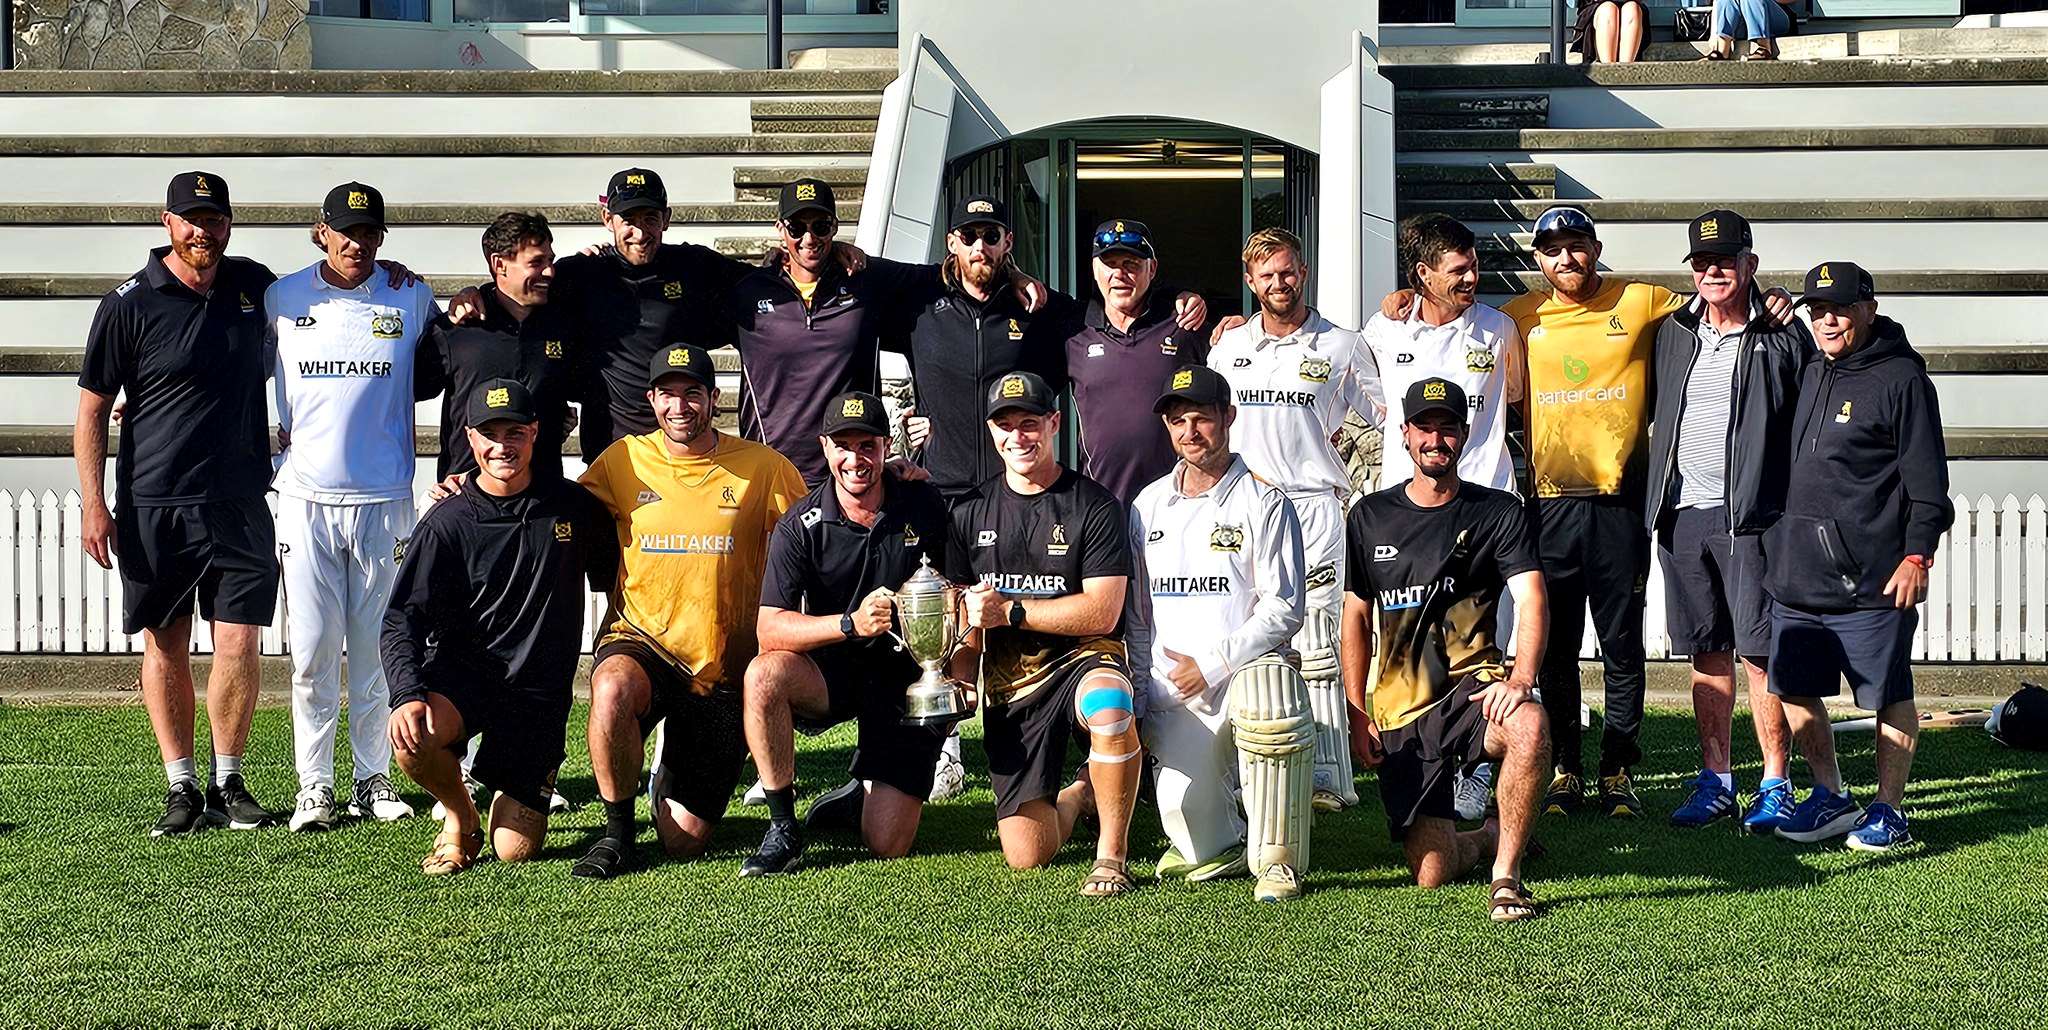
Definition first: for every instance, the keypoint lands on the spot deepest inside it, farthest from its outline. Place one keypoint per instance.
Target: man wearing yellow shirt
(694, 509)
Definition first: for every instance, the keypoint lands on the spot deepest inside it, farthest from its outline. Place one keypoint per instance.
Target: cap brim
(1717, 249)
(808, 205)
(633, 204)
(979, 220)
(519, 417)
(1159, 406)
(1023, 406)
(351, 219)
(850, 425)
(190, 206)
(1447, 409)
(1547, 233)
(1126, 248)
(683, 372)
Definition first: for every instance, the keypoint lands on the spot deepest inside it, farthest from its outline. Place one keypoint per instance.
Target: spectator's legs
(1898, 731)
(1763, 22)
(1815, 735)
(1727, 22)
(1631, 38)
(1607, 30)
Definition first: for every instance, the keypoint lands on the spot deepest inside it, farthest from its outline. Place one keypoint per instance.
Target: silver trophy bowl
(928, 610)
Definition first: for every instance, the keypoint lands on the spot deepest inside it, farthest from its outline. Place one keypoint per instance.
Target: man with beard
(694, 509)
(183, 340)
(826, 657)
(1727, 384)
(344, 340)
(1433, 554)
(1294, 376)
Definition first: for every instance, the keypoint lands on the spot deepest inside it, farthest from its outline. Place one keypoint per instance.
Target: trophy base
(935, 719)
(935, 701)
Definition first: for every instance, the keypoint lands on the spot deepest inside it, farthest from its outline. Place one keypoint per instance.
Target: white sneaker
(557, 803)
(756, 796)
(1471, 793)
(314, 809)
(948, 779)
(375, 798)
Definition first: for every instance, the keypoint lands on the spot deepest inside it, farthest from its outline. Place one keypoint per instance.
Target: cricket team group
(1203, 610)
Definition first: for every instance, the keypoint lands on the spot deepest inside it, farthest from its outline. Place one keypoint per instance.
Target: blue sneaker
(1769, 809)
(1709, 801)
(1823, 815)
(1882, 829)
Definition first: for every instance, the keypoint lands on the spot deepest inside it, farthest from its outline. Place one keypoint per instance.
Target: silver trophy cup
(928, 609)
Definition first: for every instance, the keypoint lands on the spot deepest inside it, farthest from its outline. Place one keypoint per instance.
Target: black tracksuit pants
(1594, 551)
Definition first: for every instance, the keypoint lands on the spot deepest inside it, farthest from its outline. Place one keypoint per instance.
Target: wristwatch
(1016, 614)
(846, 625)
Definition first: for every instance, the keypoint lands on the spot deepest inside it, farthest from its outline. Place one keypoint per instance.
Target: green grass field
(1643, 925)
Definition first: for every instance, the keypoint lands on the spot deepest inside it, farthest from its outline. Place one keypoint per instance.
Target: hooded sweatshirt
(1868, 477)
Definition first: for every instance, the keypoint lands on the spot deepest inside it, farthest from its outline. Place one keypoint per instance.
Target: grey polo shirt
(1703, 420)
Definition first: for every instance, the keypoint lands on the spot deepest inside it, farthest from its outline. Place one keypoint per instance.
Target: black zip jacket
(1765, 397)
(454, 360)
(1868, 478)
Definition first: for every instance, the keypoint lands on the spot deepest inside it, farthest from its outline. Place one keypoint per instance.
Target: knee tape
(1108, 698)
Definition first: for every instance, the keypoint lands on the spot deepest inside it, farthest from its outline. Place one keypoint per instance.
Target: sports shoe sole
(1856, 844)
(1326, 801)
(1219, 868)
(1829, 830)
(311, 825)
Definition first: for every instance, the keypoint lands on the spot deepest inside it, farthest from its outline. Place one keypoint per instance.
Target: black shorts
(1812, 652)
(867, 683)
(523, 744)
(1027, 740)
(224, 553)
(1416, 778)
(703, 741)
(1713, 585)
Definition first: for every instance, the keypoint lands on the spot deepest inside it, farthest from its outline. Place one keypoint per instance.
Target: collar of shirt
(160, 277)
(1309, 332)
(1414, 320)
(1710, 335)
(1231, 475)
(829, 509)
(1150, 315)
(364, 288)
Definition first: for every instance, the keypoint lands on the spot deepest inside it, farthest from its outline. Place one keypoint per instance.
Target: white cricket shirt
(1220, 579)
(1292, 392)
(1480, 351)
(343, 381)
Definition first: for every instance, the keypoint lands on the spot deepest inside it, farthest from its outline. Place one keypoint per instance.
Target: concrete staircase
(86, 156)
(1931, 173)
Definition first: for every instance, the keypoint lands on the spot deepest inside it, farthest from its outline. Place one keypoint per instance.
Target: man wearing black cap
(1432, 554)
(183, 340)
(826, 602)
(484, 627)
(693, 509)
(1046, 550)
(1727, 377)
(1865, 507)
(345, 339)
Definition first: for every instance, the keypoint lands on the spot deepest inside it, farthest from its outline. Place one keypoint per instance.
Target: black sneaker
(230, 804)
(780, 849)
(184, 811)
(838, 808)
(607, 858)
(1618, 795)
(1567, 792)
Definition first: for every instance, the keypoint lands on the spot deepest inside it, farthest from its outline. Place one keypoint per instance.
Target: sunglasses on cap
(819, 227)
(988, 234)
(1120, 239)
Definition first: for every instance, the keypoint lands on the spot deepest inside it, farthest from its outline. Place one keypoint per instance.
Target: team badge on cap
(1434, 391)
(854, 407)
(1013, 387)
(806, 191)
(635, 179)
(1825, 279)
(1183, 379)
(498, 398)
(980, 207)
(679, 358)
(201, 187)
(358, 200)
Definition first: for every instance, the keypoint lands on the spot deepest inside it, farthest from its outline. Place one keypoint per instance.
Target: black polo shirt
(630, 312)
(456, 359)
(820, 562)
(195, 427)
(1117, 377)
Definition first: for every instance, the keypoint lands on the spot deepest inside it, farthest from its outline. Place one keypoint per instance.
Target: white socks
(184, 770)
(225, 766)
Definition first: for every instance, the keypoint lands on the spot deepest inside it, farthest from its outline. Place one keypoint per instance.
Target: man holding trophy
(1045, 549)
(827, 597)
(1221, 591)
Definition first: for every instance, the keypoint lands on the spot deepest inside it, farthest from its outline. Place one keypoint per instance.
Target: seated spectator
(1760, 21)
(1610, 31)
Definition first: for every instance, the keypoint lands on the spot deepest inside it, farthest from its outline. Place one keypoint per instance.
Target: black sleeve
(789, 564)
(1196, 350)
(894, 284)
(714, 272)
(601, 543)
(430, 361)
(1923, 466)
(426, 596)
(1357, 564)
(1105, 540)
(1513, 545)
(110, 347)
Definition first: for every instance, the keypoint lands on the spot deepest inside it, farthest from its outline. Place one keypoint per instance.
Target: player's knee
(234, 639)
(890, 841)
(510, 845)
(1107, 706)
(1026, 854)
(1529, 730)
(767, 679)
(615, 695)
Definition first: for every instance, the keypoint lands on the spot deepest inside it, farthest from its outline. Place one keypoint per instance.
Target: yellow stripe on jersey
(693, 532)
(1589, 377)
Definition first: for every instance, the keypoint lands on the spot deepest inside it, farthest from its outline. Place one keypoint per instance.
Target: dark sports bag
(2022, 721)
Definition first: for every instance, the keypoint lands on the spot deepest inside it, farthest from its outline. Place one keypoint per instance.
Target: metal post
(774, 33)
(1557, 44)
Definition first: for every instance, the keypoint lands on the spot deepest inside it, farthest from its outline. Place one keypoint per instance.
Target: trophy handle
(896, 619)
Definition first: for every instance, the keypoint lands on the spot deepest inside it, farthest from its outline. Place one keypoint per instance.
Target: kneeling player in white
(1220, 588)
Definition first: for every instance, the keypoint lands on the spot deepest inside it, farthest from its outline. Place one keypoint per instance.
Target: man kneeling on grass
(483, 630)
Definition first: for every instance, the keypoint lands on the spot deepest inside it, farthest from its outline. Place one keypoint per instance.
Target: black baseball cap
(197, 191)
(855, 410)
(1434, 394)
(501, 399)
(1720, 232)
(1837, 282)
(1022, 391)
(633, 189)
(682, 359)
(1564, 219)
(1123, 234)
(351, 204)
(977, 209)
(806, 195)
(1195, 384)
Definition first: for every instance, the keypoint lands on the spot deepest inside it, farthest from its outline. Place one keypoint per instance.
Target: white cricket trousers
(340, 561)
(1196, 752)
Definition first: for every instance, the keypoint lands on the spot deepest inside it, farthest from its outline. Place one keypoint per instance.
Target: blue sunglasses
(1122, 239)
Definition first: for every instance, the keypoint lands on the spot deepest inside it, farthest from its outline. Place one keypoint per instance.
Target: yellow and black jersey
(1589, 385)
(1435, 576)
(693, 532)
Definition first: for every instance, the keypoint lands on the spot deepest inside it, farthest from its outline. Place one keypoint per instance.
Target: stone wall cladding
(100, 35)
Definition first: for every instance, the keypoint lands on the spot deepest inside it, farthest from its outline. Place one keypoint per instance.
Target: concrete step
(1981, 244)
(1817, 46)
(213, 147)
(470, 82)
(2017, 359)
(1506, 180)
(1478, 212)
(816, 115)
(1634, 140)
(1746, 176)
(764, 183)
(1918, 71)
(2004, 443)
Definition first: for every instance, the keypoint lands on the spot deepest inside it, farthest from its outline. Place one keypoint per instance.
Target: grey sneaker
(1472, 792)
(314, 809)
(375, 798)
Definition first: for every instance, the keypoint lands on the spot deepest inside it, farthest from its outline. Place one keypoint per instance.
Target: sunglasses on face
(988, 234)
(818, 227)
(1709, 262)
(1120, 239)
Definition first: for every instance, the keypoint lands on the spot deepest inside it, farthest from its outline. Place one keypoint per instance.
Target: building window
(512, 10)
(386, 10)
(641, 8)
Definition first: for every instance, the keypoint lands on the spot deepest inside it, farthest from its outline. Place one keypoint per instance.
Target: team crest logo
(910, 537)
(358, 200)
(679, 358)
(980, 207)
(398, 549)
(806, 191)
(388, 326)
(203, 188)
(554, 348)
(1614, 326)
(1013, 387)
(649, 497)
(1226, 538)
(728, 499)
(1315, 370)
(1710, 229)
(1056, 545)
(1479, 359)
(1825, 279)
(498, 398)
(1016, 331)
(1183, 379)
(636, 180)
(1576, 369)
(1119, 227)
(1843, 415)
(1435, 391)
(671, 291)
(247, 304)
(562, 531)
(1320, 576)
(853, 407)
(1168, 347)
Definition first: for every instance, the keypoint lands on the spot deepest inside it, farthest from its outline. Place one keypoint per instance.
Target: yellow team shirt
(1589, 382)
(693, 541)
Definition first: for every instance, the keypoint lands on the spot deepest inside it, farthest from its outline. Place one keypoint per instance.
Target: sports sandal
(1107, 879)
(1516, 905)
(453, 852)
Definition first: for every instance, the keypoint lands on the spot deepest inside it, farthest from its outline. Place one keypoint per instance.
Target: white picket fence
(1987, 598)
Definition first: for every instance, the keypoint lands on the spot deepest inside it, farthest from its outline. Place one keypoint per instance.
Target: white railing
(1987, 598)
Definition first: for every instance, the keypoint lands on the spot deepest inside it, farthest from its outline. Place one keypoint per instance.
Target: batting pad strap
(1104, 699)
